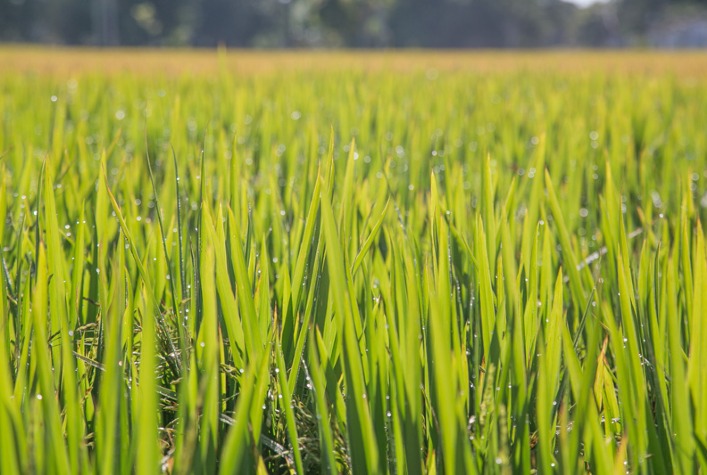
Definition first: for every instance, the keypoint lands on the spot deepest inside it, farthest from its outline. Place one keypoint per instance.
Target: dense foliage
(331, 23)
(350, 270)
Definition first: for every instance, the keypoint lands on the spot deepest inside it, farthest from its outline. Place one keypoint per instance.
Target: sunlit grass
(348, 262)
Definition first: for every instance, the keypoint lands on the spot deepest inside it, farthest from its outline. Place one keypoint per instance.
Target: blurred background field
(68, 62)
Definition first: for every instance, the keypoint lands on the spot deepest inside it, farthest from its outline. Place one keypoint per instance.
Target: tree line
(336, 23)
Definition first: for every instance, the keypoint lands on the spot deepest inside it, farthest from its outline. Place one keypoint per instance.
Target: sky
(584, 3)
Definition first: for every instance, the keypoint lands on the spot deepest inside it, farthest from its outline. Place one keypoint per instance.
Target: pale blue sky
(584, 3)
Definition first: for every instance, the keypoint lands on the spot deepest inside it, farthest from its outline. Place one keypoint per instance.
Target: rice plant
(460, 264)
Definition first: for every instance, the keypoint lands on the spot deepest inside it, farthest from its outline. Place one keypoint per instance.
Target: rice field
(419, 262)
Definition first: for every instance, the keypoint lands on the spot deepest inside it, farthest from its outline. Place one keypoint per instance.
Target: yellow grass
(70, 61)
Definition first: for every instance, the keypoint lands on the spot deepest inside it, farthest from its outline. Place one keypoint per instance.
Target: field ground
(356, 262)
